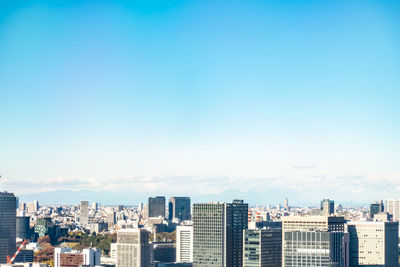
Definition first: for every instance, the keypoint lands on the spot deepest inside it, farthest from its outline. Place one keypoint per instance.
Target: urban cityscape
(199, 133)
(175, 232)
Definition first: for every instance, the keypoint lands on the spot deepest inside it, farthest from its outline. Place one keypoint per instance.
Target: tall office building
(184, 243)
(327, 207)
(286, 204)
(374, 244)
(179, 207)
(375, 208)
(314, 248)
(95, 205)
(262, 247)
(218, 234)
(133, 248)
(156, 206)
(310, 223)
(84, 213)
(8, 225)
(36, 205)
(392, 207)
(23, 227)
(22, 207)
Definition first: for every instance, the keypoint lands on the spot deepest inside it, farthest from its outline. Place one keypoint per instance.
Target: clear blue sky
(158, 96)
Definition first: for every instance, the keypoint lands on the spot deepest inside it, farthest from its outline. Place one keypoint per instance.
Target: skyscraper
(23, 227)
(286, 204)
(95, 205)
(315, 248)
(374, 244)
(218, 234)
(375, 208)
(309, 223)
(262, 247)
(8, 225)
(327, 207)
(156, 206)
(392, 207)
(184, 243)
(133, 248)
(179, 207)
(84, 213)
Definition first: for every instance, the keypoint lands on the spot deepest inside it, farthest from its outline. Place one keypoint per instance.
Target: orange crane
(11, 261)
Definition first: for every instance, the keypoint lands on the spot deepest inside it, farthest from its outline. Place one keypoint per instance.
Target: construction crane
(11, 260)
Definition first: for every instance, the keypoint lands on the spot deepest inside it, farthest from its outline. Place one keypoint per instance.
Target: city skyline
(266, 100)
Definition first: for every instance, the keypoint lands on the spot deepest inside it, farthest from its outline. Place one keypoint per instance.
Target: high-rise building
(23, 227)
(315, 248)
(375, 208)
(84, 213)
(286, 204)
(327, 207)
(95, 206)
(8, 206)
(218, 234)
(392, 207)
(262, 247)
(36, 205)
(156, 206)
(22, 206)
(145, 212)
(184, 243)
(179, 207)
(374, 244)
(33, 207)
(111, 218)
(164, 252)
(133, 248)
(310, 223)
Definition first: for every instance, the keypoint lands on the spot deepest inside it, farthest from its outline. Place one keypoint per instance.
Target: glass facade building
(218, 234)
(310, 224)
(322, 249)
(156, 206)
(8, 225)
(262, 247)
(179, 207)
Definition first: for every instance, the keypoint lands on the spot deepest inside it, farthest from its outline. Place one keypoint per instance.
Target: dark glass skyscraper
(375, 208)
(8, 225)
(157, 206)
(23, 228)
(179, 207)
(218, 234)
(262, 247)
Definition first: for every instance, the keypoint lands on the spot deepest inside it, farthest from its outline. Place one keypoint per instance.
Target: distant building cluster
(216, 234)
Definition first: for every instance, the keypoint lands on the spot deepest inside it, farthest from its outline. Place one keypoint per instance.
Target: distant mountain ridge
(129, 198)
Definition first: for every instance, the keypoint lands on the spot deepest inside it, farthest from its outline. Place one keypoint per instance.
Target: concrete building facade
(184, 243)
(374, 244)
(133, 248)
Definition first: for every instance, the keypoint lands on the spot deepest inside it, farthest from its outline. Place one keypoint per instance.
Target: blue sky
(199, 97)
